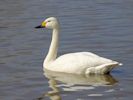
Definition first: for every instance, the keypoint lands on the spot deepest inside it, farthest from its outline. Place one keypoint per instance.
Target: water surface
(100, 26)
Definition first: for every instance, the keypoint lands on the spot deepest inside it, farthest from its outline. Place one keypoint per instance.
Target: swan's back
(80, 62)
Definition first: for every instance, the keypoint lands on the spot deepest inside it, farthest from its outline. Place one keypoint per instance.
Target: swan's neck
(52, 53)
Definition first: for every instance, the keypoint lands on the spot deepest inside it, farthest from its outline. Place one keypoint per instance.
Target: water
(100, 26)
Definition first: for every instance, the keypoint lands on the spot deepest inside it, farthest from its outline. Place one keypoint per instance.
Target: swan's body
(76, 63)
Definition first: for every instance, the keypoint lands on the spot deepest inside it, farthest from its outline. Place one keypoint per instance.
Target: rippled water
(104, 27)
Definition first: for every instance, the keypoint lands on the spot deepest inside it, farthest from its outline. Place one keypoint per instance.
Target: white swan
(76, 63)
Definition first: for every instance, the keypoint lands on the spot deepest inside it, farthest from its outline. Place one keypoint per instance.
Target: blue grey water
(104, 27)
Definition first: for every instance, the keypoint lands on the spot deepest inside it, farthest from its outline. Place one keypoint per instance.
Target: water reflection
(74, 79)
(59, 82)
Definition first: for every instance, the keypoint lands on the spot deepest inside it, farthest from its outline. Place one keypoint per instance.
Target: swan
(75, 63)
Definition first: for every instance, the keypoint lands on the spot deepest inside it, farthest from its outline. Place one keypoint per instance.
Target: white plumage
(81, 63)
(76, 63)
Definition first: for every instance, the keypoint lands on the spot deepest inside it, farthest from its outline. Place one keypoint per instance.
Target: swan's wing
(82, 59)
(81, 63)
(78, 62)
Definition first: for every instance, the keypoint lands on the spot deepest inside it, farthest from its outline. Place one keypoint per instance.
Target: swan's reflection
(74, 79)
(72, 82)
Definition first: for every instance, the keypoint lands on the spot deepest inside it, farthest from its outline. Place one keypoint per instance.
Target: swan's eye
(49, 21)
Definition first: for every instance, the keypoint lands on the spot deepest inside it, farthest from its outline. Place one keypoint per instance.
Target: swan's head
(50, 23)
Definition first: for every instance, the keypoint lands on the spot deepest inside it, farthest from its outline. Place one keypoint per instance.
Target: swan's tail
(103, 69)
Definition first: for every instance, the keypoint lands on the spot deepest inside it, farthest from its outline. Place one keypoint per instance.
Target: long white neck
(52, 53)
